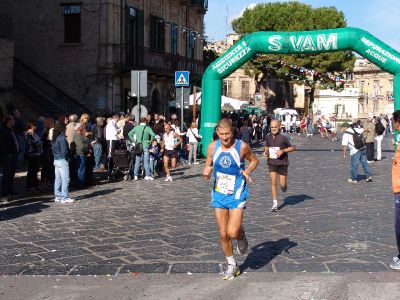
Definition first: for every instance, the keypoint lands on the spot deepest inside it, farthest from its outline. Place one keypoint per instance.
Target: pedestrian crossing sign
(181, 78)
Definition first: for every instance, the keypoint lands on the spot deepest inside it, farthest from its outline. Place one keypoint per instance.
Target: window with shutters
(131, 37)
(376, 107)
(72, 23)
(174, 39)
(377, 89)
(227, 88)
(191, 45)
(245, 95)
(157, 34)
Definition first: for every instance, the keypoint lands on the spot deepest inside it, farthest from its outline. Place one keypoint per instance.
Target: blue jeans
(359, 157)
(81, 165)
(138, 159)
(97, 151)
(61, 182)
(310, 129)
(152, 165)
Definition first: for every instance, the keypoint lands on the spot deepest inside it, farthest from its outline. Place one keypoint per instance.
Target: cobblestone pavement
(324, 223)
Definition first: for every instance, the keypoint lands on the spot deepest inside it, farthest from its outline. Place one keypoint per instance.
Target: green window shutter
(162, 36)
(140, 27)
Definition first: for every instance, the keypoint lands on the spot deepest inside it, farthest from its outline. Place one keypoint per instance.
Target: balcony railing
(202, 5)
(153, 61)
(5, 26)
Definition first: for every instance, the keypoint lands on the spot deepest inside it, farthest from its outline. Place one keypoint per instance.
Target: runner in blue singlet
(225, 162)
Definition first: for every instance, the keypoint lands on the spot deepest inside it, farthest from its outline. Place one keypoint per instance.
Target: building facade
(84, 51)
(375, 89)
(343, 104)
(368, 91)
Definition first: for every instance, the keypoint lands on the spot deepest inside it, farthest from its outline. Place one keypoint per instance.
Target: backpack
(379, 128)
(358, 139)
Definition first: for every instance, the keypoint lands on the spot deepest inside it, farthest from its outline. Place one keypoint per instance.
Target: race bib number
(273, 152)
(225, 183)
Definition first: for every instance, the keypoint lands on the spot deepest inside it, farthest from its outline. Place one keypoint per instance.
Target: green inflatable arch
(301, 42)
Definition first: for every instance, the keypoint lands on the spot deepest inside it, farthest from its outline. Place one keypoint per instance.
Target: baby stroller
(121, 162)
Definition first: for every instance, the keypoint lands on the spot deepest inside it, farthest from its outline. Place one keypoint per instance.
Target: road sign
(182, 78)
(135, 112)
(139, 83)
(186, 94)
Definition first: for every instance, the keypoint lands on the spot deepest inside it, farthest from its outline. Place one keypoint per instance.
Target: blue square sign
(182, 78)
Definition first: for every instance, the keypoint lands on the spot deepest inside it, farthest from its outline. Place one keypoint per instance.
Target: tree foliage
(209, 56)
(293, 16)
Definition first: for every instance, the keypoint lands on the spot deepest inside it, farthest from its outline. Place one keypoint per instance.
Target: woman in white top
(332, 129)
(194, 138)
(170, 147)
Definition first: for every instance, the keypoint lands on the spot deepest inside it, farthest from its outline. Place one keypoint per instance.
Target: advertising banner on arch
(301, 42)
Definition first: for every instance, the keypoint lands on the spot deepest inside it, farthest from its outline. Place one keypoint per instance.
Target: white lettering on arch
(296, 43)
(308, 44)
(275, 42)
(303, 43)
(323, 43)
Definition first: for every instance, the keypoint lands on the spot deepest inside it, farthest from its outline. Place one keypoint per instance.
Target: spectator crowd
(68, 151)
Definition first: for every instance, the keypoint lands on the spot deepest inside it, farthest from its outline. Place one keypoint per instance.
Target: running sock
(275, 202)
(231, 260)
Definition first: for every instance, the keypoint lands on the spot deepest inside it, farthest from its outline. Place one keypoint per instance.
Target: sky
(381, 18)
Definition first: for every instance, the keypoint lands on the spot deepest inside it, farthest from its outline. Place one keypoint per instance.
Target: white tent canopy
(198, 98)
(236, 104)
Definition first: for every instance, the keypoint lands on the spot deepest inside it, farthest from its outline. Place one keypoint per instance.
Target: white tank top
(169, 141)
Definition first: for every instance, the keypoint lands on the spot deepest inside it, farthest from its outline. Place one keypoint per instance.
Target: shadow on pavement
(294, 199)
(319, 150)
(262, 254)
(190, 176)
(20, 211)
(28, 199)
(96, 193)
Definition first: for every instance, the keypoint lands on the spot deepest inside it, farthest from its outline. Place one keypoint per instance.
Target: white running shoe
(135, 178)
(395, 265)
(242, 245)
(274, 207)
(57, 199)
(67, 200)
(169, 178)
(231, 272)
(148, 178)
(196, 163)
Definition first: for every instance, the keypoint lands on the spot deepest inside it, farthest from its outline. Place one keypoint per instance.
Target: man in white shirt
(111, 137)
(357, 152)
(288, 121)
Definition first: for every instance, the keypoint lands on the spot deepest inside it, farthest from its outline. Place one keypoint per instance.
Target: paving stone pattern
(324, 225)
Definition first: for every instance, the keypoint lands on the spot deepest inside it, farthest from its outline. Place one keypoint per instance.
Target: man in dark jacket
(8, 154)
(98, 142)
(20, 133)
